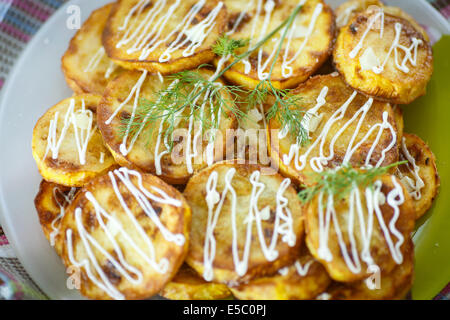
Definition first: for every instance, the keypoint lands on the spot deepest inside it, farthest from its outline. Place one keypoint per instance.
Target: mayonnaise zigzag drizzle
(302, 270)
(395, 47)
(318, 163)
(283, 225)
(264, 13)
(356, 212)
(112, 227)
(414, 186)
(145, 37)
(95, 61)
(82, 121)
(67, 199)
(135, 91)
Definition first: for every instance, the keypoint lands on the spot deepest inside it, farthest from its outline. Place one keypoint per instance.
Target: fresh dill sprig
(226, 46)
(188, 89)
(285, 109)
(340, 182)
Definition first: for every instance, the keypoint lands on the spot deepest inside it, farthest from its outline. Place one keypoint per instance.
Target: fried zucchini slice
(67, 145)
(126, 234)
(51, 202)
(419, 175)
(365, 231)
(346, 11)
(147, 149)
(188, 285)
(244, 224)
(304, 280)
(163, 36)
(394, 285)
(307, 46)
(343, 126)
(86, 67)
(384, 55)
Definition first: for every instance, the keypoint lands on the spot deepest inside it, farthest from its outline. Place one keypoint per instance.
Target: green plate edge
(429, 118)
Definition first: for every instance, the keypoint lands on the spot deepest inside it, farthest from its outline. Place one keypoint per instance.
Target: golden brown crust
(338, 93)
(188, 285)
(394, 285)
(288, 283)
(379, 247)
(426, 161)
(176, 220)
(142, 156)
(86, 67)
(223, 267)
(67, 169)
(392, 84)
(177, 62)
(314, 54)
(50, 203)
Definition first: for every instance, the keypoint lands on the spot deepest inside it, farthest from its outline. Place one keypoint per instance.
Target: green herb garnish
(226, 46)
(340, 182)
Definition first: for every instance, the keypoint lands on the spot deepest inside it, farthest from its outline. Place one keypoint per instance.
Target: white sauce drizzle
(102, 157)
(262, 64)
(285, 66)
(343, 18)
(349, 252)
(135, 91)
(82, 121)
(146, 35)
(303, 270)
(112, 227)
(410, 53)
(95, 60)
(62, 211)
(317, 163)
(283, 225)
(414, 186)
(239, 19)
(111, 68)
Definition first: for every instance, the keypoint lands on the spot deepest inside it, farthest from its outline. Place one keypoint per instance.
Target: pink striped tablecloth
(19, 21)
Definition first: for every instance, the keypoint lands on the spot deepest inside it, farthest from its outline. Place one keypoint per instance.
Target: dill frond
(340, 182)
(286, 108)
(226, 46)
(189, 95)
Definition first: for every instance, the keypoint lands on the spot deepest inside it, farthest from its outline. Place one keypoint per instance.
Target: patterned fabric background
(19, 21)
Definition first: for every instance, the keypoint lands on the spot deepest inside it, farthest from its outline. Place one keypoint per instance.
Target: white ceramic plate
(37, 83)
